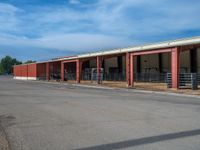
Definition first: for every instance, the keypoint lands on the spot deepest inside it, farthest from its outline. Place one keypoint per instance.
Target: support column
(99, 66)
(62, 71)
(47, 71)
(78, 70)
(128, 70)
(175, 69)
(132, 70)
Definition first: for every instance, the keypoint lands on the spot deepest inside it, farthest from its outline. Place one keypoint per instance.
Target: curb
(161, 93)
(121, 89)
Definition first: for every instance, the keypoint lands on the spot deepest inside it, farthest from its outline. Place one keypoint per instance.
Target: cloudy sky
(42, 29)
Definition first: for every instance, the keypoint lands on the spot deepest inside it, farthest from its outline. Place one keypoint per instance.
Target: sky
(44, 29)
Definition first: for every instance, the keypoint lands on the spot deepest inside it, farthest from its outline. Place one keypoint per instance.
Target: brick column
(175, 67)
(128, 70)
(47, 71)
(78, 70)
(99, 65)
(62, 71)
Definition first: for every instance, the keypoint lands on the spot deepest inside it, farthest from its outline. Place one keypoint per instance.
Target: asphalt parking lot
(48, 116)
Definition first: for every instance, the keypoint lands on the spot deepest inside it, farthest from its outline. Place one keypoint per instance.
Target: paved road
(38, 116)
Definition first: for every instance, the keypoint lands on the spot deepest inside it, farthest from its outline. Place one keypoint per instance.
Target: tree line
(7, 62)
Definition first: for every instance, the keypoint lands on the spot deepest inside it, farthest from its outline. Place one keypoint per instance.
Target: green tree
(6, 64)
(29, 61)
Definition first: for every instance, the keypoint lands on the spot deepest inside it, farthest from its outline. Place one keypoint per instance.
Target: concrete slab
(62, 116)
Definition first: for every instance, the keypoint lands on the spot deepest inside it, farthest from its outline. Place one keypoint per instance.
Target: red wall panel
(41, 70)
(24, 70)
(32, 70)
(17, 71)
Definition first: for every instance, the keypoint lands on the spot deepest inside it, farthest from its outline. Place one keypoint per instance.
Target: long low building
(172, 62)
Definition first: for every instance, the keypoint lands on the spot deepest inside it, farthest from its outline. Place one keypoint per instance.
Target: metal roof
(153, 46)
(145, 47)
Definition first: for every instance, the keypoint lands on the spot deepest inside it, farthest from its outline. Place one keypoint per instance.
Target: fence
(188, 80)
(89, 75)
(114, 77)
(70, 76)
(150, 77)
(42, 77)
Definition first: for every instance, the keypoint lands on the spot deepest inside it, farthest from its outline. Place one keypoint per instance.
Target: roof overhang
(146, 47)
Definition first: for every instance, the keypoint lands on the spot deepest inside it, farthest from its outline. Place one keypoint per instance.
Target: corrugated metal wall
(26, 70)
(41, 71)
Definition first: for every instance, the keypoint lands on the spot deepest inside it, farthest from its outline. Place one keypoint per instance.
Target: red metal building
(130, 64)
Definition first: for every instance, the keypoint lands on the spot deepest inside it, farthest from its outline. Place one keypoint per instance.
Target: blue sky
(43, 29)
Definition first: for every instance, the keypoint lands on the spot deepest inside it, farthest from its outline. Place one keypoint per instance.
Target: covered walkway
(174, 63)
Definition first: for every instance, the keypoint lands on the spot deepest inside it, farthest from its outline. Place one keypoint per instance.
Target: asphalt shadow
(143, 141)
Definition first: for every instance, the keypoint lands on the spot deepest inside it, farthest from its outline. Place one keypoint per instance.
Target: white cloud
(8, 17)
(104, 24)
(8, 8)
(73, 42)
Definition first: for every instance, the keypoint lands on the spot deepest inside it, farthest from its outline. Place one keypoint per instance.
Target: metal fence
(70, 76)
(114, 77)
(186, 80)
(42, 77)
(150, 77)
(88, 75)
(55, 76)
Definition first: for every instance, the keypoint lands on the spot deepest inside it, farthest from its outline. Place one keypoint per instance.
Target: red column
(62, 71)
(132, 70)
(78, 70)
(99, 65)
(47, 71)
(175, 67)
(128, 70)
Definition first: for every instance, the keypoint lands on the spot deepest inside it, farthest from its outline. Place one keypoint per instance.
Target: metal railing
(150, 77)
(42, 77)
(70, 76)
(86, 75)
(114, 77)
(189, 80)
(55, 76)
(105, 76)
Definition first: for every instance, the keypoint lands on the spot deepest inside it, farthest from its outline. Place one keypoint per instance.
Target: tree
(29, 61)
(6, 64)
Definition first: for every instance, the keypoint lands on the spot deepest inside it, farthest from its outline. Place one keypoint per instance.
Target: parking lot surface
(49, 116)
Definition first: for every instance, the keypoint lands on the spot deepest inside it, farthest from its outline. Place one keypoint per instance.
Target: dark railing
(150, 77)
(105, 76)
(169, 80)
(42, 77)
(114, 77)
(70, 76)
(55, 76)
(191, 80)
(86, 75)
(198, 78)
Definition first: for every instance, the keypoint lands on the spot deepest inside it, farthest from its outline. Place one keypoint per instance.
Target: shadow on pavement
(142, 141)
